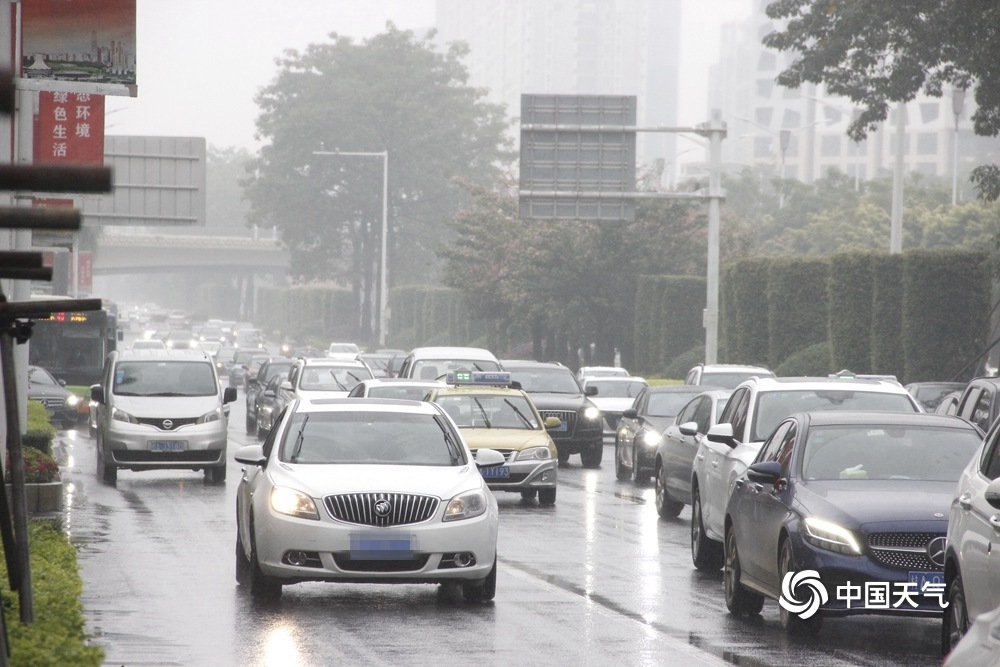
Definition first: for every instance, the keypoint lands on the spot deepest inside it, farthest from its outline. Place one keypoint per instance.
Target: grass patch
(57, 635)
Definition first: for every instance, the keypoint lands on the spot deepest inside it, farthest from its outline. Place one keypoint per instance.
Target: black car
(929, 394)
(61, 404)
(846, 513)
(255, 386)
(557, 393)
(980, 402)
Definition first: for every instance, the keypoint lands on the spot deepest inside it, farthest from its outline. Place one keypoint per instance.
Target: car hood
(853, 502)
(659, 424)
(47, 391)
(612, 404)
(547, 401)
(323, 480)
(167, 406)
(504, 438)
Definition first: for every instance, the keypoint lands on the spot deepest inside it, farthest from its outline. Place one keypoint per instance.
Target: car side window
(687, 412)
(641, 400)
(785, 448)
(293, 374)
(968, 402)
(269, 440)
(739, 415)
(692, 377)
(981, 413)
(770, 447)
(727, 415)
(702, 414)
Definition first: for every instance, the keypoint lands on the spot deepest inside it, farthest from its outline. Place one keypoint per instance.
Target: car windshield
(370, 437)
(489, 411)
(667, 403)
(605, 372)
(433, 369)
(617, 389)
(40, 376)
(888, 452)
(773, 406)
(546, 380)
(333, 378)
(376, 361)
(164, 378)
(273, 369)
(726, 380)
(405, 393)
(344, 348)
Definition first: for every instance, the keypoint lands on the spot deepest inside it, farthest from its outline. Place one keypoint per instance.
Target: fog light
(547, 475)
(464, 559)
(296, 558)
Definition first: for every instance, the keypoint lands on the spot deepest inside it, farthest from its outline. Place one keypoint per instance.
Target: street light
(383, 289)
(957, 104)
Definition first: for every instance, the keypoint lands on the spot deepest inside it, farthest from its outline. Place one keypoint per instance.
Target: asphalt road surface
(596, 579)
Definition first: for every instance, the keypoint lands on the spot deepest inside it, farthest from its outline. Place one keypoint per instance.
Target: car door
(977, 537)
(629, 427)
(716, 491)
(252, 478)
(679, 449)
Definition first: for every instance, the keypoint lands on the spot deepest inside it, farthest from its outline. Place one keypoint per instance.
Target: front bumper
(526, 476)
(134, 446)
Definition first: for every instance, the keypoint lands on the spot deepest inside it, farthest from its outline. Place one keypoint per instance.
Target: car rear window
(773, 406)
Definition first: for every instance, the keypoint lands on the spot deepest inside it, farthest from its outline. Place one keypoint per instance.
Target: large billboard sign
(69, 129)
(79, 46)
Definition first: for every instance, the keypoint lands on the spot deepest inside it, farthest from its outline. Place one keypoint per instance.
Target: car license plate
(166, 445)
(921, 578)
(563, 426)
(495, 472)
(381, 546)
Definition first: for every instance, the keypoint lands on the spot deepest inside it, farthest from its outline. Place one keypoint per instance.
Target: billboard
(79, 46)
(69, 129)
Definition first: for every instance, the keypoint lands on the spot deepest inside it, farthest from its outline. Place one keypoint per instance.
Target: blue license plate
(166, 446)
(563, 426)
(387, 547)
(495, 472)
(921, 578)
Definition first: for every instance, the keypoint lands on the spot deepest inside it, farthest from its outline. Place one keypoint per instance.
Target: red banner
(70, 129)
(85, 271)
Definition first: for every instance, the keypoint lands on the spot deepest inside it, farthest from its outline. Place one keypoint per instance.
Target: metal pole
(957, 102)
(383, 283)
(896, 224)
(717, 131)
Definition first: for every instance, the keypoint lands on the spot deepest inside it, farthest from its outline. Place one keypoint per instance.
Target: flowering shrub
(39, 467)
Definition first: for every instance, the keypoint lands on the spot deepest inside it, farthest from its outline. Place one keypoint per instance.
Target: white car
(343, 351)
(971, 571)
(365, 490)
(755, 408)
(411, 390)
(601, 372)
(614, 396)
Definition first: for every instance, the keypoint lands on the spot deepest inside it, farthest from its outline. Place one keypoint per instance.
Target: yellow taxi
(492, 412)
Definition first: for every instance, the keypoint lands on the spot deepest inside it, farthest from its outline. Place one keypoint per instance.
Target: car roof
(614, 378)
(681, 389)
(509, 364)
(732, 367)
(871, 418)
(405, 382)
(823, 383)
(366, 405)
(478, 390)
(310, 362)
(441, 352)
(163, 355)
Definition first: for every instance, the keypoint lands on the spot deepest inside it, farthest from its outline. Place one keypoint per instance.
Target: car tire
(793, 624)
(262, 587)
(706, 554)
(251, 423)
(620, 472)
(956, 616)
(242, 562)
(562, 456)
(261, 431)
(665, 507)
(483, 591)
(591, 458)
(107, 473)
(529, 494)
(638, 477)
(546, 496)
(216, 474)
(739, 600)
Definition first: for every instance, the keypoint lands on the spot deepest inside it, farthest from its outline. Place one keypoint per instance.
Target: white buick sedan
(365, 491)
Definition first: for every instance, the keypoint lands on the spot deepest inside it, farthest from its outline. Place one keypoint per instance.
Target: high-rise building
(575, 47)
(801, 132)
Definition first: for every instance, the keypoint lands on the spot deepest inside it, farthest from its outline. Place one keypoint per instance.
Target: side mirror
(286, 385)
(251, 455)
(590, 391)
(765, 472)
(552, 422)
(97, 393)
(229, 395)
(488, 457)
(992, 494)
(722, 434)
(62, 383)
(688, 428)
(631, 413)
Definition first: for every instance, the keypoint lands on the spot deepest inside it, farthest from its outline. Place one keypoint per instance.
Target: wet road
(596, 579)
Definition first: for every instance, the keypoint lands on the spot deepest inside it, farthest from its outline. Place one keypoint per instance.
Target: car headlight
(72, 401)
(651, 438)
(213, 416)
(122, 416)
(591, 413)
(536, 453)
(465, 506)
(293, 503)
(828, 535)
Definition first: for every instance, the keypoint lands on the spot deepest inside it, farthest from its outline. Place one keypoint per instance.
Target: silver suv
(161, 409)
(725, 376)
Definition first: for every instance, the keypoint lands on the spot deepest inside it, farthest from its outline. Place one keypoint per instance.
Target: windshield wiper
(339, 383)
(519, 414)
(482, 411)
(294, 458)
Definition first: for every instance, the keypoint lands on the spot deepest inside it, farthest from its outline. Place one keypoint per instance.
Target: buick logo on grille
(168, 424)
(382, 507)
(935, 550)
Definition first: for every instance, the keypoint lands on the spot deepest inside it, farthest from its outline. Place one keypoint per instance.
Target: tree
(876, 52)
(393, 93)
(225, 169)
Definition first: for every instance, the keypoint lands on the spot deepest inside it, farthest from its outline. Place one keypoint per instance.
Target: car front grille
(162, 422)
(348, 564)
(360, 508)
(52, 402)
(193, 456)
(906, 551)
(568, 416)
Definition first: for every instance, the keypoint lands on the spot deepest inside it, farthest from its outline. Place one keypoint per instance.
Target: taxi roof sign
(491, 378)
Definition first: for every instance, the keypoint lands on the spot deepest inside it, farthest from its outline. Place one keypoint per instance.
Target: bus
(73, 345)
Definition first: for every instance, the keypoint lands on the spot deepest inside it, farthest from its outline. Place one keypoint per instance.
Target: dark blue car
(845, 513)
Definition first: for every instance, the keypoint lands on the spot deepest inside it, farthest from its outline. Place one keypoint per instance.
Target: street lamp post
(957, 104)
(383, 286)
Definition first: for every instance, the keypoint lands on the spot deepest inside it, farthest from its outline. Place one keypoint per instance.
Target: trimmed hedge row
(668, 318)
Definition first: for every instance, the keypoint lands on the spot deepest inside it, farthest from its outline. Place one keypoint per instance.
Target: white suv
(971, 571)
(756, 407)
(160, 409)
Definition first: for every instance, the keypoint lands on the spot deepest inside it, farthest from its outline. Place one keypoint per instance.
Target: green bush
(678, 367)
(796, 301)
(39, 431)
(813, 360)
(850, 303)
(57, 635)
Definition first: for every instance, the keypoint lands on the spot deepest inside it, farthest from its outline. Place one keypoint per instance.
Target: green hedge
(745, 318)
(849, 294)
(887, 316)
(796, 305)
(672, 323)
(39, 431)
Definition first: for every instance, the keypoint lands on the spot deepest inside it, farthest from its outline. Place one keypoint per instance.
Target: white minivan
(161, 409)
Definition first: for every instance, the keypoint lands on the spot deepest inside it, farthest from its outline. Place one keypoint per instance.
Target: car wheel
(794, 624)
(529, 494)
(706, 553)
(242, 562)
(546, 496)
(638, 477)
(261, 431)
(562, 456)
(665, 507)
(591, 458)
(739, 600)
(956, 616)
(107, 473)
(251, 423)
(620, 472)
(484, 591)
(216, 474)
(262, 587)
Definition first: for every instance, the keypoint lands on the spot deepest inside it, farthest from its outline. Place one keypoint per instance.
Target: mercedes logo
(382, 508)
(935, 550)
(168, 424)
